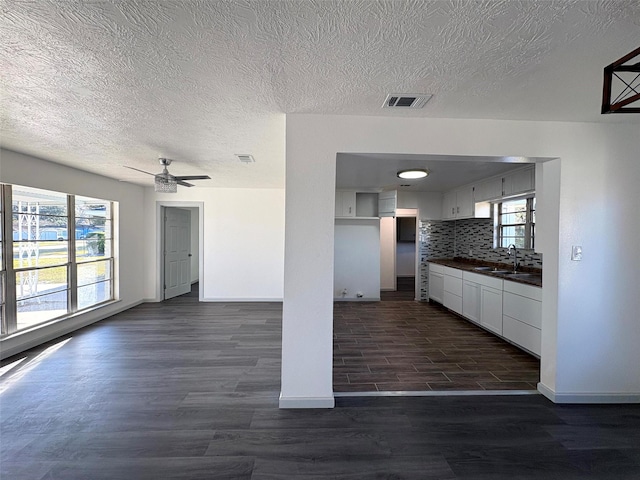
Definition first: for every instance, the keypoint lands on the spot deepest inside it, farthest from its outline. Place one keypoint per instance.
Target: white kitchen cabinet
(520, 181)
(489, 189)
(345, 204)
(387, 203)
(452, 296)
(491, 309)
(471, 301)
(458, 203)
(522, 315)
(436, 282)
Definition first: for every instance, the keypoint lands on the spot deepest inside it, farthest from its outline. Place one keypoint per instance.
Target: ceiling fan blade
(137, 169)
(184, 184)
(193, 177)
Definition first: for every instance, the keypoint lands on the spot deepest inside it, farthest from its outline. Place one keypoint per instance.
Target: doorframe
(160, 206)
(409, 212)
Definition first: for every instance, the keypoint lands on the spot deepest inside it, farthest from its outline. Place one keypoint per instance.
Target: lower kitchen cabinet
(452, 298)
(509, 309)
(522, 315)
(436, 282)
(491, 309)
(471, 301)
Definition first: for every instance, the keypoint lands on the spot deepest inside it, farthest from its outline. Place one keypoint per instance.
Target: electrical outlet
(576, 253)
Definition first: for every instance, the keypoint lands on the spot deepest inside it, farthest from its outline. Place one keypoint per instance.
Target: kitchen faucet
(512, 248)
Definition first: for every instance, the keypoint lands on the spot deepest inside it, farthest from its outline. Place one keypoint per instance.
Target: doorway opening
(179, 253)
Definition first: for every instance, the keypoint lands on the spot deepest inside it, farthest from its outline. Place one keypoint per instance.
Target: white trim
(588, 397)
(361, 299)
(21, 341)
(160, 204)
(241, 299)
(431, 393)
(306, 402)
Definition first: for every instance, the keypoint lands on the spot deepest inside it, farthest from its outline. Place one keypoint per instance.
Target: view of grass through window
(57, 241)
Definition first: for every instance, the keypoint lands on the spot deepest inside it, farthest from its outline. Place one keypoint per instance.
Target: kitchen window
(56, 255)
(515, 223)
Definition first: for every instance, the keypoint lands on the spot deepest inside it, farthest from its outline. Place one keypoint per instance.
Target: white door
(177, 245)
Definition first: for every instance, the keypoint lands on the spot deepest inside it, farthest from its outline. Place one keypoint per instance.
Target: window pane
(94, 272)
(89, 295)
(36, 310)
(95, 246)
(40, 254)
(27, 200)
(32, 283)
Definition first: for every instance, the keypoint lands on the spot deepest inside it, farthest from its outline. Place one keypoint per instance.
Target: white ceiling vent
(245, 158)
(406, 100)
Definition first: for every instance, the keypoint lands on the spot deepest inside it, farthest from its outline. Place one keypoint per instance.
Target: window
(61, 247)
(515, 223)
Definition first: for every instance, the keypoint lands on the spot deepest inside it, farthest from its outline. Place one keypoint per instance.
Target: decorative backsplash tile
(469, 238)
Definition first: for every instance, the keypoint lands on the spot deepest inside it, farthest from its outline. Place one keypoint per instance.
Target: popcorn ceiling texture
(99, 84)
(440, 239)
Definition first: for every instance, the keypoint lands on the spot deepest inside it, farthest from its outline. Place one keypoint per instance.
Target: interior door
(177, 245)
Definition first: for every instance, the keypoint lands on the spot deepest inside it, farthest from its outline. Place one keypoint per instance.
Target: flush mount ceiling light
(413, 174)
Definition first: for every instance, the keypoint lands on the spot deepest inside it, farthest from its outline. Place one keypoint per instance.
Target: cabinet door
(488, 190)
(387, 203)
(449, 205)
(345, 204)
(519, 182)
(471, 301)
(464, 202)
(491, 309)
(436, 286)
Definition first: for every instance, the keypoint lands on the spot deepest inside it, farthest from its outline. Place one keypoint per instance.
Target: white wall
(26, 170)
(242, 242)
(387, 253)
(357, 259)
(592, 306)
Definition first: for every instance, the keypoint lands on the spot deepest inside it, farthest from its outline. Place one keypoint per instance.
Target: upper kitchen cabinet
(352, 204)
(515, 183)
(387, 203)
(520, 181)
(458, 203)
(345, 204)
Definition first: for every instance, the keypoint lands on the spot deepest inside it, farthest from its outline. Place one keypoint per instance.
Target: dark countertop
(528, 275)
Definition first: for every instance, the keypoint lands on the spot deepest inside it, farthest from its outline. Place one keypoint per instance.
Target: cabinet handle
(458, 209)
(349, 209)
(453, 210)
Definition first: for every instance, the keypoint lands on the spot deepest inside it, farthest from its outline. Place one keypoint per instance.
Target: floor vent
(406, 100)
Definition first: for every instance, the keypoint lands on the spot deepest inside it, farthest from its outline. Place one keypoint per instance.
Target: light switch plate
(576, 253)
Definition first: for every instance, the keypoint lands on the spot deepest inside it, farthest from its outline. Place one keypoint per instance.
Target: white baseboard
(249, 299)
(363, 299)
(588, 397)
(306, 402)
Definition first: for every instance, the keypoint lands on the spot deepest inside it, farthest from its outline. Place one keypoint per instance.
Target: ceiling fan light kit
(164, 182)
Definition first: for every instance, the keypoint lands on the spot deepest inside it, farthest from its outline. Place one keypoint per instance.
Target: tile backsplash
(470, 238)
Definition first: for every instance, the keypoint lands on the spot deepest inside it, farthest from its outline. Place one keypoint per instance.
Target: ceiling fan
(167, 183)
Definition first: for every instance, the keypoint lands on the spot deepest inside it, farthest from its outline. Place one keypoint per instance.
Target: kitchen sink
(490, 270)
(522, 275)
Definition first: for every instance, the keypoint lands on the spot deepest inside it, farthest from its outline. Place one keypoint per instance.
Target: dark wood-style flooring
(402, 345)
(182, 390)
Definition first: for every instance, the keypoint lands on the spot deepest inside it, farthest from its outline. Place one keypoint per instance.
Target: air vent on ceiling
(245, 158)
(406, 100)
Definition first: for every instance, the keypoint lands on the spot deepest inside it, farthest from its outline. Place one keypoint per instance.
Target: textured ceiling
(99, 84)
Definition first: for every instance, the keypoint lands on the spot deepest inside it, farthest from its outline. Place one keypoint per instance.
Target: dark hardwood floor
(399, 344)
(182, 390)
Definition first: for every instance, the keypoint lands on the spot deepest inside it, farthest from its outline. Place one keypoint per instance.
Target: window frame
(529, 223)
(9, 298)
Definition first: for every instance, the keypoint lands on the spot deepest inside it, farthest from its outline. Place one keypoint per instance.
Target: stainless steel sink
(522, 275)
(490, 270)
